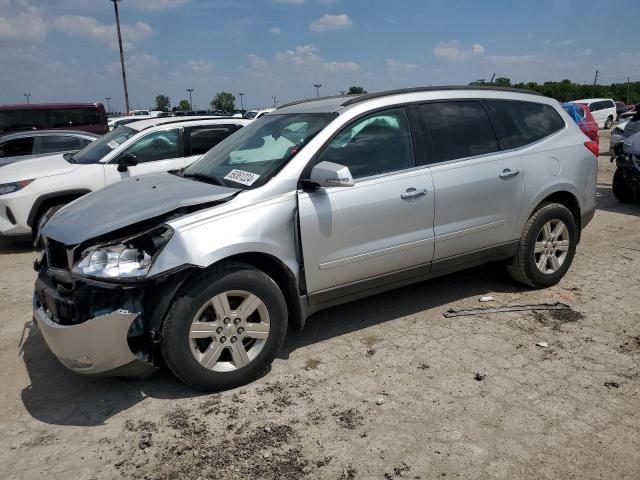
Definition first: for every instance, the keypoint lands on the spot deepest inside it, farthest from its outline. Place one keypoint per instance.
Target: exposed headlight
(14, 186)
(132, 258)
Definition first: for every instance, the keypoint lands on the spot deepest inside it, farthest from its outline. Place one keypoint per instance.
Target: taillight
(593, 147)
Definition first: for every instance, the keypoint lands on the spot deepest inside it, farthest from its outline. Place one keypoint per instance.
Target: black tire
(609, 123)
(176, 348)
(44, 215)
(523, 266)
(620, 186)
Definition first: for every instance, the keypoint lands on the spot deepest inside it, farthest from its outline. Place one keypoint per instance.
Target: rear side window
(204, 139)
(59, 143)
(521, 123)
(458, 129)
(16, 147)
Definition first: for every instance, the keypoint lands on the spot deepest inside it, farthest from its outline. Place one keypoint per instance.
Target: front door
(157, 152)
(381, 225)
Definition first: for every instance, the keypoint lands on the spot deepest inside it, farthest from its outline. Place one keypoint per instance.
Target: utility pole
(108, 104)
(190, 90)
(274, 100)
(27, 95)
(241, 94)
(627, 90)
(594, 83)
(492, 77)
(317, 85)
(124, 75)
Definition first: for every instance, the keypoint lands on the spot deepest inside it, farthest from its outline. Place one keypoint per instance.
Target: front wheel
(225, 329)
(608, 123)
(546, 247)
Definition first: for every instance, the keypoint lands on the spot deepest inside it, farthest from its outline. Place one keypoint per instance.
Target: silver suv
(317, 203)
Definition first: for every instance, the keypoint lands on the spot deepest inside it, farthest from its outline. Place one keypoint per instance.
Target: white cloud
(275, 30)
(26, 26)
(138, 64)
(558, 43)
(156, 5)
(454, 50)
(200, 66)
(89, 27)
(331, 22)
(397, 67)
(586, 51)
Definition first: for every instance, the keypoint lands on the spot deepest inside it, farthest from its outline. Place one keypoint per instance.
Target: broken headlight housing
(129, 259)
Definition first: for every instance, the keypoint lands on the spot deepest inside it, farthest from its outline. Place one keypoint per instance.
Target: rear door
(381, 225)
(199, 140)
(478, 189)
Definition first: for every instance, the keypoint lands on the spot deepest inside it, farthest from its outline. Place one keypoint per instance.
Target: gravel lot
(382, 388)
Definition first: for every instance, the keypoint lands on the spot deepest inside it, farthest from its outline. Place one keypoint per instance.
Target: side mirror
(328, 174)
(127, 160)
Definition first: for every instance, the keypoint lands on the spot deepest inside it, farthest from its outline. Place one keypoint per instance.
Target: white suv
(602, 109)
(33, 189)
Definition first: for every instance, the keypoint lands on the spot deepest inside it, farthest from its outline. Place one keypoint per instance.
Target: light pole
(190, 90)
(241, 94)
(108, 99)
(342, 92)
(27, 95)
(124, 75)
(274, 100)
(317, 85)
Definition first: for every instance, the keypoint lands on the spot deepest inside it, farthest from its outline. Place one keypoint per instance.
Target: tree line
(566, 90)
(223, 102)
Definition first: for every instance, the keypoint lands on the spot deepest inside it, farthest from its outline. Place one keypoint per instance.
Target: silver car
(29, 144)
(317, 203)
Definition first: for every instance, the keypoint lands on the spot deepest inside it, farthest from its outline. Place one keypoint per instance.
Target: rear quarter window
(520, 123)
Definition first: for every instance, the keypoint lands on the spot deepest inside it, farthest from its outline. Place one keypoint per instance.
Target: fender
(77, 192)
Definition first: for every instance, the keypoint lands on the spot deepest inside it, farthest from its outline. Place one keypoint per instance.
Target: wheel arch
(49, 199)
(563, 197)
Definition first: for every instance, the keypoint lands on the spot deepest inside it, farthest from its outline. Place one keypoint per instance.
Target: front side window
(251, 156)
(458, 129)
(376, 144)
(16, 147)
(521, 123)
(204, 139)
(58, 143)
(156, 146)
(97, 150)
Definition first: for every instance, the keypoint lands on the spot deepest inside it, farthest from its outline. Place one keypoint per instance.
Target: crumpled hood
(127, 202)
(39, 167)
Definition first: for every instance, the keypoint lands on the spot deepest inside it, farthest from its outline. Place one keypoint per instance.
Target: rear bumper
(97, 346)
(586, 217)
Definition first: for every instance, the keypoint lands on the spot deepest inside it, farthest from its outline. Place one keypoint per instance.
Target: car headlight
(14, 186)
(131, 258)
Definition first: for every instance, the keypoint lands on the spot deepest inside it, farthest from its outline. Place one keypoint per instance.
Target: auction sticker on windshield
(113, 144)
(240, 176)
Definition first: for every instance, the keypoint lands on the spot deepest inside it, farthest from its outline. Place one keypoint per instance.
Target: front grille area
(57, 255)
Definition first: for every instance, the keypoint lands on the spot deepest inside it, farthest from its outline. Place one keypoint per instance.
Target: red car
(587, 123)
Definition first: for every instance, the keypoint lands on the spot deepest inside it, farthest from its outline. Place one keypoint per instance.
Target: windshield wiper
(205, 178)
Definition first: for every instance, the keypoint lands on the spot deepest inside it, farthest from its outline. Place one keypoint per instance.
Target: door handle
(508, 173)
(412, 193)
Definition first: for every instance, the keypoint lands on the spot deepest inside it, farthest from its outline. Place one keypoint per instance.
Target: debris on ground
(542, 344)
(487, 298)
(513, 308)
(379, 401)
(479, 376)
(611, 384)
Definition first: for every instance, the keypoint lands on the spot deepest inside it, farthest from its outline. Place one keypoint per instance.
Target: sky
(66, 50)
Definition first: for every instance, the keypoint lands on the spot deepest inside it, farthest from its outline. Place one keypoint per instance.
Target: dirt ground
(383, 388)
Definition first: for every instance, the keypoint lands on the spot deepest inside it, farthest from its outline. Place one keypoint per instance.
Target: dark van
(89, 117)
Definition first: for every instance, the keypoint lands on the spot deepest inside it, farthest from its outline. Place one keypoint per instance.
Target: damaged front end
(98, 310)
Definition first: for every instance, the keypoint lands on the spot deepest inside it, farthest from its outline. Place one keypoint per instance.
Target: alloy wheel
(552, 246)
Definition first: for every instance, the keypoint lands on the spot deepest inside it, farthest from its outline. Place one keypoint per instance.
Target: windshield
(251, 156)
(95, 151)
(250, 114)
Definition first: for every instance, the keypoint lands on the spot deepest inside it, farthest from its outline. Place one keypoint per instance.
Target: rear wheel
(225, 329)
(546, 247)
(608, 123)
(621, 188)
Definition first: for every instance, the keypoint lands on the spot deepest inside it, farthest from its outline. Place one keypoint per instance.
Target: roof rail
(315, 99)
(185, 119)
(371, 96)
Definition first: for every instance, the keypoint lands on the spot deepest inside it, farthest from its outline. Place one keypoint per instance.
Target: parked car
(602, 109)
(25, 145)
(316, 204)
(119, 121)
(621, 108)
(32, 189)
(255, 114)
(626, 178)
(88, 117)
(144, 113)
(580, 114)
